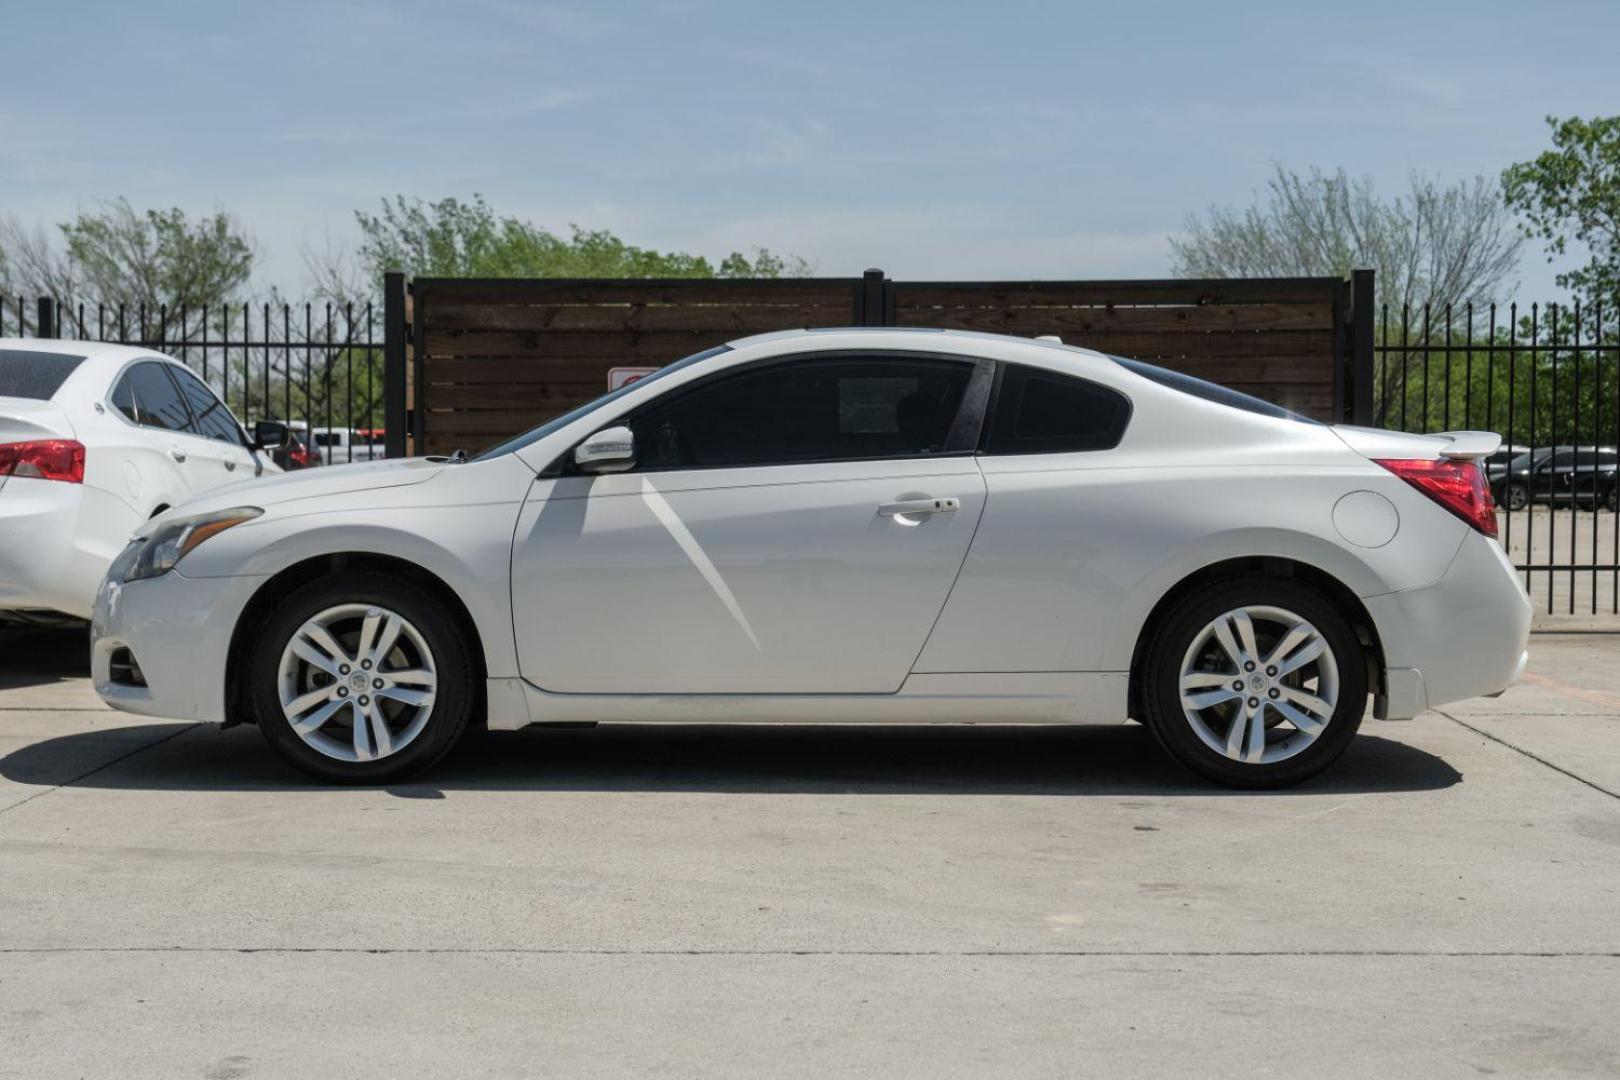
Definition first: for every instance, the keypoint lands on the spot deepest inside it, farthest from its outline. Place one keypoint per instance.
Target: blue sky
(933, 140)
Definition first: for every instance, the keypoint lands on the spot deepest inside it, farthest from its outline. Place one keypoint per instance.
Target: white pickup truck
(339, 446)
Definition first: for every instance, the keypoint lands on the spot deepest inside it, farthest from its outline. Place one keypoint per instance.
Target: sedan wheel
(1254, 682)
(361, 678)
(1517, 497)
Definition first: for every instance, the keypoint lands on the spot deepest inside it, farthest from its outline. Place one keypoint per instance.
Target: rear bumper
(42, 564)
(179, 631)
(1463, 636)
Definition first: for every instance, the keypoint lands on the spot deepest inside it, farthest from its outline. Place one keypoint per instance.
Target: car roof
(924, 338)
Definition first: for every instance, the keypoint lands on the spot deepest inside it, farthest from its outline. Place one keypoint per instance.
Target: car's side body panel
(784, 579)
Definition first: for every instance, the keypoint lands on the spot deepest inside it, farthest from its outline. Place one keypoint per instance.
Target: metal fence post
(45, 324)
(394, 375)
(1361, 347)
(869, 302)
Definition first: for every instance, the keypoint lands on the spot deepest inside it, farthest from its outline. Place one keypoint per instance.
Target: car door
(150, 399)
(793, 527)
(218, 452)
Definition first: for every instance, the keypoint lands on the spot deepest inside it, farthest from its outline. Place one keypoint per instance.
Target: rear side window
(157, 401)
(1043, 412)
(28, 374)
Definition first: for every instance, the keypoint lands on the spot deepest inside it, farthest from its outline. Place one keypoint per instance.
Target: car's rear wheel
(361, 679)
(1254, 682)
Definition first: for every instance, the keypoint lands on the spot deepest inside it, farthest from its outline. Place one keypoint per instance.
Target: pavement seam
(104, 765)
(1533, 757)
(1436, 954)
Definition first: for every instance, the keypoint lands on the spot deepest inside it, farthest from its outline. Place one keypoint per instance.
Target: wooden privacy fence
(486, 359)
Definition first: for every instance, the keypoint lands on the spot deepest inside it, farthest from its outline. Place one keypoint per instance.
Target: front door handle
(908, 507)
(178, 455)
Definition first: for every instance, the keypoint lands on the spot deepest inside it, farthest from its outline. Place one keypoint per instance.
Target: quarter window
(810, 410)
(1042, 412)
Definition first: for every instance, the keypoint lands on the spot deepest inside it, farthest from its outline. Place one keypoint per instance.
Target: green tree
(1437, 245)
(116, 255)
(1571, 194)
(451, 238)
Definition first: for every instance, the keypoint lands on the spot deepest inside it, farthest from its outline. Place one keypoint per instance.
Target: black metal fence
(314, 365)
(1547, 377)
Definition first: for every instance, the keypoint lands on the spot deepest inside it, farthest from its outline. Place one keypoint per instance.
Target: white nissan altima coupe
(841, 526)
(95, 439)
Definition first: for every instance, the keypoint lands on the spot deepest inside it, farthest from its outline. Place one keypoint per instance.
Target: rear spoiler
(1470, 445)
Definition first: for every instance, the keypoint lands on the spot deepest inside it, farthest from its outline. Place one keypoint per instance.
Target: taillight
(46, 459)
(1459, 486)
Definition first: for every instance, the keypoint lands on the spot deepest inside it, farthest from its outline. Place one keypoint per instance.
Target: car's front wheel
(1254, 682)
(1518, 497)
(361, 678)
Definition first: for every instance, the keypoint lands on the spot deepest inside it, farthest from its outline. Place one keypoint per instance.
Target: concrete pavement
(716, 902)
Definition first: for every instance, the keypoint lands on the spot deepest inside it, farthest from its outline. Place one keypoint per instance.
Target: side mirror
(271, 435)
(610, 450)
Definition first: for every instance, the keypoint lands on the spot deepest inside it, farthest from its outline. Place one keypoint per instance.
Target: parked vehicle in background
(339, 446)
(94, 440)
(1496, 466)
(297, 454)
(842, 526)
(1560, 475)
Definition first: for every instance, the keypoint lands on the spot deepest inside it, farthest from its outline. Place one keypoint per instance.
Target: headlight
(171, 543)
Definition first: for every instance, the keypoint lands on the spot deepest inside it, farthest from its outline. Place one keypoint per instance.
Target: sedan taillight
(1459, 486)
(45, 459)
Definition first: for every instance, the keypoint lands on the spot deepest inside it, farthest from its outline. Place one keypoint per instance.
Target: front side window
(806, 410)
(157, 401)
(214, 420)
(1043, 412)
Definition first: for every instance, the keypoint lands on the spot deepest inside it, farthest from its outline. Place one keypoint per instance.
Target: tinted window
(808, 410)
(1042, 412)
(37, 375)
(123, 399)
(157, 402)
(1209, 391)
(213, 419)
(535, 434)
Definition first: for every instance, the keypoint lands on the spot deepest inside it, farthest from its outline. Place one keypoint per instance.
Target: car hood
(314, 483)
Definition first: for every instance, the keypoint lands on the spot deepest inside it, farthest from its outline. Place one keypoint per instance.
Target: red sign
(624, 376)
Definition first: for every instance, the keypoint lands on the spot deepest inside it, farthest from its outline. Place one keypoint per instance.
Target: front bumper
(1463, 636)
(179, 632)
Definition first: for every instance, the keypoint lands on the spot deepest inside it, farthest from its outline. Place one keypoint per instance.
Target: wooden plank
(1064, 321)
(1117, 293)
(733, 319)
(517, 371)
(483, 397)
(633, 346)
(829, 292)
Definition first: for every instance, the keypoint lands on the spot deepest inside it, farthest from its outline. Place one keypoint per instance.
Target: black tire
(1517, 497)
(1612, 502)
(455, 695)
(1174, 635)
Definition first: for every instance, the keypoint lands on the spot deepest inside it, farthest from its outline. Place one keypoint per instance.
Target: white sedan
(841, 526)
(94, 440)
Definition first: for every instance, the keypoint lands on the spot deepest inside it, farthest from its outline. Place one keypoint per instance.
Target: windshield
(535, 434)
(1209, 391)
(1524, 461)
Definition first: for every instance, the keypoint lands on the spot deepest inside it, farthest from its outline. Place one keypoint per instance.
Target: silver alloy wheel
(356, 682)
(1259, 684)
